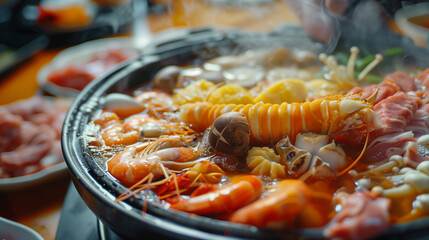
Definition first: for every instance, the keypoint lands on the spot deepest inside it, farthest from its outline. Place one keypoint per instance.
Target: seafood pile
(262, 142)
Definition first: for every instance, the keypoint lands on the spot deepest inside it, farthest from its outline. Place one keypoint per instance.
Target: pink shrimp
(364, 215)
(135, 123)
(292, 201)
(114, 132)
(155, 102)
(139, 161)
(240, 192)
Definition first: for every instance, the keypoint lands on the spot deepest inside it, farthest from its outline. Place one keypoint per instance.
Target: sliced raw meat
(412, 156)
(385, 89)
(405, 82)
(423, 79)
(395, 112)
(383, 147)
(363, 216)
(419, 125)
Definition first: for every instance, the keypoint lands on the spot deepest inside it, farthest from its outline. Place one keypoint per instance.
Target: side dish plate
(77, 55)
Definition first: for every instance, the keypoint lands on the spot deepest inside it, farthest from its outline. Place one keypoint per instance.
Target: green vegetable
(393, 52)
(370, 78)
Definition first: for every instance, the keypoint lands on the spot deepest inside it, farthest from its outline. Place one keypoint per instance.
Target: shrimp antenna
(196, 179)
(176, 184)
(144, 209)
(134, 189)
(358, 158)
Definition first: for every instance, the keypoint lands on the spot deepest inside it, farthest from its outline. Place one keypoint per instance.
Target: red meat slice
(395, 112)
(363, 216)
(385, 89)
(423, 79)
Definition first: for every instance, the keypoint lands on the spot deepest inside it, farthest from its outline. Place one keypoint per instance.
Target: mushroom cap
(230, 134)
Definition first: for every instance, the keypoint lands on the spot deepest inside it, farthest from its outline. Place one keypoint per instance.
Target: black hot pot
(99, 190)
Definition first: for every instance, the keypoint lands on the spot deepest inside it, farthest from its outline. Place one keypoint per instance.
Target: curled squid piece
(264, 161)
(363, 215)
(311, 155)
(292, 202)
(205, 171)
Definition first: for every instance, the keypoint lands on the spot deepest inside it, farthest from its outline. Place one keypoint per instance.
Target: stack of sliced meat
(402, 104)
(29, 136)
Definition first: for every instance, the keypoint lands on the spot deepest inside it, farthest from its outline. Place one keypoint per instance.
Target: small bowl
(77, 55)
(418, 33)
(13, 230)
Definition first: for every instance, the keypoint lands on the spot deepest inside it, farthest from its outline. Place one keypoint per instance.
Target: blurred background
(49, 26)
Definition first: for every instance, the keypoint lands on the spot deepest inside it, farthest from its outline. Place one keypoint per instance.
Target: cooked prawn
(116, 132)
(271, 122)
(240, 192)
(142, 123)
(136, 122)
(291, 201)
(112, 131)
(138, 161)
(155, 102)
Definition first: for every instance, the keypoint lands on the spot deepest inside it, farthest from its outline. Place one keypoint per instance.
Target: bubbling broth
(258, 139)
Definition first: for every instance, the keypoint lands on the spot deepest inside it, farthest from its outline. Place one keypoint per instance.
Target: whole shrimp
(271, 122)
(112, 131)
(291, 202)
(240, 192)
(116, 132)
(137, 162)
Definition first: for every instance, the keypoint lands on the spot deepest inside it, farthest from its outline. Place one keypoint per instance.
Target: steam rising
(141, 33)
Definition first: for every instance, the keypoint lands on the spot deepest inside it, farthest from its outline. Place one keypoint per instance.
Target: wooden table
(40, 208)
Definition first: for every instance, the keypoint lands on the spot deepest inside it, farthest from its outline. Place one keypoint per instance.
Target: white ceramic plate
(80, 54)
(13, 230)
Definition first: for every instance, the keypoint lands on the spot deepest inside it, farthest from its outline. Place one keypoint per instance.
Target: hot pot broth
(257, 139)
